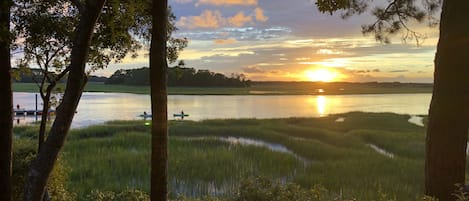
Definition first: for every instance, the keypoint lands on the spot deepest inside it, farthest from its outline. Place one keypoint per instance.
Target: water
(253, 142)
(381, 151)
(97, 108)
(417, 120)
(196, 188)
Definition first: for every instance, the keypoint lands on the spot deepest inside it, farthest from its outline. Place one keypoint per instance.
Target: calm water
(97, 108)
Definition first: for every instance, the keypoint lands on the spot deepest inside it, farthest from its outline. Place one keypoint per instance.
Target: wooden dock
(24, 112)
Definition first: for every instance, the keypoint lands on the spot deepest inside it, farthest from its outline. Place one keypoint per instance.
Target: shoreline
(277, 88)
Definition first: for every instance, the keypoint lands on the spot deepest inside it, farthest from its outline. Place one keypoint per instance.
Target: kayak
(145, 115)
(180, 115)
(174, 115)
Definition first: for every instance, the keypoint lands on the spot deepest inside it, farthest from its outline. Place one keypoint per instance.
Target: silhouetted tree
(178, 76)
(445, 163)
(6, 103)
(159, 101)
(42, 166)
(449, 109)
(114, 25)
(47, 48)
(59, 34)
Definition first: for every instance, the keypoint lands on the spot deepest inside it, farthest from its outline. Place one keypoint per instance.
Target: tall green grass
(197, 167)
(116, 155)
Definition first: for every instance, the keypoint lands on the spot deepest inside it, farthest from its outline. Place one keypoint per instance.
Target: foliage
(461, 193)
(24, 153)
(391, 19)
(262, 189)
(122, 29)
(28, 75)
(126, 195)
(174, 45)
(179, 76)
(47, 29)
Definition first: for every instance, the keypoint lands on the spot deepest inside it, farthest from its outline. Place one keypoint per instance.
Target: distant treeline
(35, 76)
(179, 76)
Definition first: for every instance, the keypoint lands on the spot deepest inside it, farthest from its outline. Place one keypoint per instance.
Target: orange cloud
(259, 14)
(213, 19)
(225, 41)
(208, 19)
(227, 2)
(240, 19)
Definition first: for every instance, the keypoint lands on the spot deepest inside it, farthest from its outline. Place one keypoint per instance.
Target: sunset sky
(291, 41)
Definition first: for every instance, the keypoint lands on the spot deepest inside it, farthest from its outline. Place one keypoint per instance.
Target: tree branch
(57, 51)
(62, 74)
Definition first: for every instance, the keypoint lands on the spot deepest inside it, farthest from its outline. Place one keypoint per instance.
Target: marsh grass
(116, 155)
(197, 167)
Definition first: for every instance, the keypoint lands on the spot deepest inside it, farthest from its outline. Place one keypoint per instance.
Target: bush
(136, 195)
(126, 195)
(24, 151)
(262, 189)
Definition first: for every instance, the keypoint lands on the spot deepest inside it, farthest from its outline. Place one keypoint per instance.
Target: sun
(320, 75)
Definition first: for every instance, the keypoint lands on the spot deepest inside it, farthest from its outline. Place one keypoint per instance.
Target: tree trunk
(448, 115)
(44, 115)
(6, 103)
(158, 80)
(42, 166)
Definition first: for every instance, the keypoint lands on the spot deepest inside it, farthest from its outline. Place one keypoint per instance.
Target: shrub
(262, 189)
(126, 195)
(24, 151)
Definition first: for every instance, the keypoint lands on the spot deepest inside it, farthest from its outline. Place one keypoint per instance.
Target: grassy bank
(336, 155)
(260, 88)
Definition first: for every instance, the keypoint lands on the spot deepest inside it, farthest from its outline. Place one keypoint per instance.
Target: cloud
(253, 69)
(328, 51)
(225, 41)
(213, 19)
(208, 19)
(183, 1)
(239, 33)
(259, 14)
(240, 19)
(367, 71)
(399, 71)
(227, 2)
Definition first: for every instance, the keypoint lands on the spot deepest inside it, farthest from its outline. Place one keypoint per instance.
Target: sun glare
(320, 75)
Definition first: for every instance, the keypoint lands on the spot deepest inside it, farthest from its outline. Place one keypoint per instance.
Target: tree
(6, 103)
(159, 101)
(446, 142)
(449, 109)
(49, 49)
(114, 25)
(42, 166)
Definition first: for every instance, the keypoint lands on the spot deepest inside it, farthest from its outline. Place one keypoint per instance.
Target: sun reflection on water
(321, 103)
